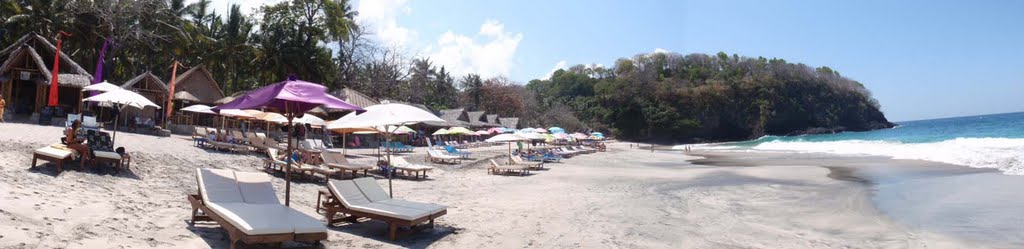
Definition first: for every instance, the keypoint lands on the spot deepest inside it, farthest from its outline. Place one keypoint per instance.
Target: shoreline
(914, 192)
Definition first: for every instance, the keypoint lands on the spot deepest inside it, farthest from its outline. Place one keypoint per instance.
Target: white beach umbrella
(198, 109)
(98, 87)
(102, 87)
(384, 115)
(124, 98)
(305, 119)
(509, 138)
(335, 127)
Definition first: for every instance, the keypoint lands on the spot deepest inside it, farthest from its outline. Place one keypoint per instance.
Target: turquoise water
(985, 141)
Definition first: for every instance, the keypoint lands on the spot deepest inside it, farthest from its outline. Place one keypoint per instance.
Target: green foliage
(671, 97)
(241, 51)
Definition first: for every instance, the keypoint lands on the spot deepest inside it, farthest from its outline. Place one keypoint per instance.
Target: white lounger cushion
(429, 207)
(377, 195)
(255, 219)
(218, 185)
(355, 194)
(371, 189)
(401, 163)
(391, 211)
(53, 152)
(253, 206)
(350, 194)
(256, 188)
(303, 223)
(436, 154)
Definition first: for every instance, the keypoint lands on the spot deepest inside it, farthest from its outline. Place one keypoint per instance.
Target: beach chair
(584, 150)
(56, 153)
(531, 164)
(552, 157)
(400, 164)
(437, 156)
(455, 152)
(363, 197)
(337, 160)
(71, 119)
(246, 205)
(257, 143)
(496, 168)
(89, 122)
(271, 162)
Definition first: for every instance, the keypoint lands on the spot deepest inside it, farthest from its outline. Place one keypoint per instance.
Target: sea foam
(1005, 154)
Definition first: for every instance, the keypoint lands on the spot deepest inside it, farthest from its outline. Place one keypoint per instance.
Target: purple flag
(99, 66)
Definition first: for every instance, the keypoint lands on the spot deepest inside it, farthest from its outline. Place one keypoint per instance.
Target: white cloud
(661, 50)
(561, 65)
(382, 15)
(490, 53)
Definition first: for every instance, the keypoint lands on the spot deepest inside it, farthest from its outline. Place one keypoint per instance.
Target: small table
(322, 193)
(113, 158)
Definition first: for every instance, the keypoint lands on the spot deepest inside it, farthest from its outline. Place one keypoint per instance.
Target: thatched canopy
(146, 81)
(199, 83)
(492, 120)
(354, 97)
(477, 119)
(509, 122)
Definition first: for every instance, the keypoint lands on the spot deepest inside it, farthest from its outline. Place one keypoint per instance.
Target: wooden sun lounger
(401, 164)
(363, 197)
(246, 205)
(337, 160)
(531, 164)
(498, 168)
(55, 155)
(436, 156)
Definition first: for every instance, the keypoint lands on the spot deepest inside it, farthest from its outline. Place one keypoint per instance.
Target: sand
(623, 198)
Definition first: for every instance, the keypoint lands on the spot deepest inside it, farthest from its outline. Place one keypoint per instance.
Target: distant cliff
(668, 97)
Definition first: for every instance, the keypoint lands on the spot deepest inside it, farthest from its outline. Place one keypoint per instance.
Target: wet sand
(980, 206)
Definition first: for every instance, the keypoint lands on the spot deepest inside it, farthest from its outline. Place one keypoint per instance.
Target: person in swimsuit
(75, 143)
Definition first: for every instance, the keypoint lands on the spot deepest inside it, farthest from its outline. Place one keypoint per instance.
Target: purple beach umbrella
(293, 97)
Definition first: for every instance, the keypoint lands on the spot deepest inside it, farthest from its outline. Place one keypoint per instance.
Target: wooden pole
(288, 165)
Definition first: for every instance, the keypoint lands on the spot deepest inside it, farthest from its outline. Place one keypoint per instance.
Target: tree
(472, 85)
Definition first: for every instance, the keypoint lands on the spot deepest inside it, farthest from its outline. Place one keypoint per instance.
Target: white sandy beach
(624, 198)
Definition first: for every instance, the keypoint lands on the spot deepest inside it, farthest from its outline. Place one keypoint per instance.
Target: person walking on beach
(3, 104)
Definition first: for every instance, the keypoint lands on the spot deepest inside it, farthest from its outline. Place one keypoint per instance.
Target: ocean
(984, 141)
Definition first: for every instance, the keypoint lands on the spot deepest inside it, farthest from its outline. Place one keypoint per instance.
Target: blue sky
(921, 59)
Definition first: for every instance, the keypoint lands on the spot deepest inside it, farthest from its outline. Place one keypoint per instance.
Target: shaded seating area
(246, 205)
(364, 198)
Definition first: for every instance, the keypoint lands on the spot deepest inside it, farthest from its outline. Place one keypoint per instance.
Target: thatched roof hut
(509, 122)
(199, 83)
(26, 70)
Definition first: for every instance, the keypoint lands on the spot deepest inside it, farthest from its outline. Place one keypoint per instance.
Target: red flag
(170, 95)
(56, 69)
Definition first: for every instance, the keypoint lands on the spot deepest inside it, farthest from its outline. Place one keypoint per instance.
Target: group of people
(220, 137)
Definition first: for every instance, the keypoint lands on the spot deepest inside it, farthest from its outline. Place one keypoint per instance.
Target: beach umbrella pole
(288, 165)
